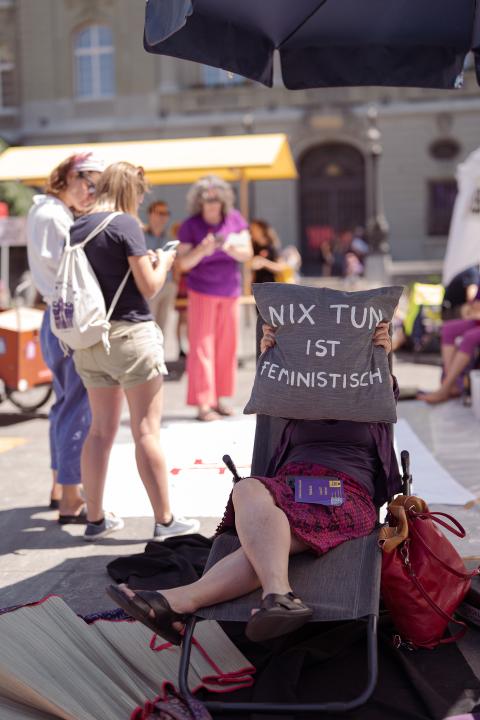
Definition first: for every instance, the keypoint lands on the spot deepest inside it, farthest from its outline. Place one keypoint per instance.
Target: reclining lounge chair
(342, 585)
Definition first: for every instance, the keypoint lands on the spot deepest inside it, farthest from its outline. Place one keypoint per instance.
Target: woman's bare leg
(457, 366)
(448, 353)
(266, 532)
(145, 404)
(106, 407)
(232, 577)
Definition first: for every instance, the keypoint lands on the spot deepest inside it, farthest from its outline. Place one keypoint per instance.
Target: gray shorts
(136, 356)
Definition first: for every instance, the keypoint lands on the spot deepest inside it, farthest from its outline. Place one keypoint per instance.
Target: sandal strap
(151, 600)
(287, 601)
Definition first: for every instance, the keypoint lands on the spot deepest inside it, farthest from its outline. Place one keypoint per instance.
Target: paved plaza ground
(41, 557)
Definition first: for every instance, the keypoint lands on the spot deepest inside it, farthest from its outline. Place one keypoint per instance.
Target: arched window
(94, 56)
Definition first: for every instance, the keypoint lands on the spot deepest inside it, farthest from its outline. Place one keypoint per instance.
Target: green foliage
(17, 196)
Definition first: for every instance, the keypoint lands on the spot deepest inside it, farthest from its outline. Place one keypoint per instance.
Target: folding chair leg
(286, 708)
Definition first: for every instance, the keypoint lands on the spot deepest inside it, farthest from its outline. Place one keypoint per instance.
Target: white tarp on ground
(430, 480)
(199, 481)
(463, 249)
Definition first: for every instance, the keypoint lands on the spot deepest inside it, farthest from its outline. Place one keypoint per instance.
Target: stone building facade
(75, 71)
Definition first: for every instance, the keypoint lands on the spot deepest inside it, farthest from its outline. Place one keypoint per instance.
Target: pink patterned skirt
(318, 526)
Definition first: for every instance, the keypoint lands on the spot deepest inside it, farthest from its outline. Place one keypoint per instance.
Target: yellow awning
(166, 162)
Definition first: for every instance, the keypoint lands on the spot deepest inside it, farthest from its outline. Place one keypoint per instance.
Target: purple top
(388, 481)
(341, 445)
(218, 274)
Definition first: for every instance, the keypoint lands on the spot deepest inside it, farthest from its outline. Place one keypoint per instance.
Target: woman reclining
(271, 525)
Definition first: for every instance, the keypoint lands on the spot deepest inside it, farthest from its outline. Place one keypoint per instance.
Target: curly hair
(207, 183)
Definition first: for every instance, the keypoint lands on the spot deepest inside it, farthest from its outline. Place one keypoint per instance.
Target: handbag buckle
(399, 643)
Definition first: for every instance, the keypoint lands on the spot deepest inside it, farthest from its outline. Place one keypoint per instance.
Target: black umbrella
(322, 43)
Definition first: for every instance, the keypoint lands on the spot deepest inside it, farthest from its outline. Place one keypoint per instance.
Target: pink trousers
(213, 342)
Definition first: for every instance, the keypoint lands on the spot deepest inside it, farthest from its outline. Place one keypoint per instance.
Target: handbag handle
(413, 529)
(458, 530)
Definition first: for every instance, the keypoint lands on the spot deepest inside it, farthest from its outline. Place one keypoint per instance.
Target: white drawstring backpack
(78, 316)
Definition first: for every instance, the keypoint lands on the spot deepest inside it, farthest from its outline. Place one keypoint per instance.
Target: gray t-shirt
(341, 445)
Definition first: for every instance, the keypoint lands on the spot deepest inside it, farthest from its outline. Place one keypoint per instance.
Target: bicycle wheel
(31, 399)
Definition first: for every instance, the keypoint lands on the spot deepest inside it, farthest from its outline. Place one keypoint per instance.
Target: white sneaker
(110, 524)
(178, 526)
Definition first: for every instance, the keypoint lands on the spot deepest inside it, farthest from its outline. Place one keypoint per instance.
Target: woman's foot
(278, 615)
(152, 609)
(79, 517)
(438, 396)
(224, 410)
(55, 493)
(71, 504)
(207, 414)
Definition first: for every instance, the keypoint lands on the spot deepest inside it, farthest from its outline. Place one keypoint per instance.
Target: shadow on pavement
(15, 418)
(80, 582)
(21, 532)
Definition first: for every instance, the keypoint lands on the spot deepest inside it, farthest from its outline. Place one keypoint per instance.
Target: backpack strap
(116, 297)
(96, 230)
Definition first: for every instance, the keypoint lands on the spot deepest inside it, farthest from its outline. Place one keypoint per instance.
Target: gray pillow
(324, 365)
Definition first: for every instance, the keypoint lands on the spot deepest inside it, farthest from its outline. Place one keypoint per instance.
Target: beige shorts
(136, 356)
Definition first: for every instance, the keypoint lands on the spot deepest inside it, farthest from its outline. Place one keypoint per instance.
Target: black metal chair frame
(288, 708)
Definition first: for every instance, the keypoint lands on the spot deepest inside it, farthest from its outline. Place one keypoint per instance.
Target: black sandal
(278, 615)
(78, 519)
(139, 607)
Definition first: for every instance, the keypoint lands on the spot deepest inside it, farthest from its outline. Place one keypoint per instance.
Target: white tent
(463, 248)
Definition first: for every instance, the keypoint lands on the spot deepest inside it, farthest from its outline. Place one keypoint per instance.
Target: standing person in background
(182, 292)
(266, 262)
(70, 190)
(155, 236)
(214, 240)
(134, 365)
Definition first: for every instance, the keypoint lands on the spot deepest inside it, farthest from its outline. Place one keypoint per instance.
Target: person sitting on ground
(457, 357)
(271, 525)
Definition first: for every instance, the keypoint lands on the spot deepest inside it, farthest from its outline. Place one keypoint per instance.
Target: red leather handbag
(424, 579)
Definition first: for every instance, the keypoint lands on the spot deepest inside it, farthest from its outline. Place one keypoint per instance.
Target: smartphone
(219, 239)
(170, 245)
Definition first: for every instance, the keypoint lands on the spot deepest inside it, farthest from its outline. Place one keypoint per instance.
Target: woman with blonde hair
(135, 365)
(214, 240)
(70, 191)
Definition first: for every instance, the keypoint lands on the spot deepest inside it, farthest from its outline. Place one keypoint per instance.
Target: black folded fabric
(173, 562)
(326, 662)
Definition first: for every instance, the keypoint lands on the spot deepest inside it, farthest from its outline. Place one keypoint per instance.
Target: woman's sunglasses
(91, 186)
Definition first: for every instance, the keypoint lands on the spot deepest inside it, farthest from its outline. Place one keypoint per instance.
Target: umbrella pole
(243, 198)
(243, 202)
